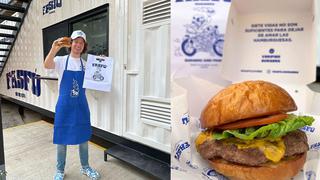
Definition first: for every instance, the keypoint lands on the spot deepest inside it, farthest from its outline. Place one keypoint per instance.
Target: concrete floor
(30, 154)
(11, 116)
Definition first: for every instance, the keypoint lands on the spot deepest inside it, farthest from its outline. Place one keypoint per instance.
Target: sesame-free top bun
(284, 170)
(65, 42)
(244, 100)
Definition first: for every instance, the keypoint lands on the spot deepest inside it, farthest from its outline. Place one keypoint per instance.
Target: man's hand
(56, 45)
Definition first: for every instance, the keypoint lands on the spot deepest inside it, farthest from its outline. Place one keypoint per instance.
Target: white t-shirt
(74, 64)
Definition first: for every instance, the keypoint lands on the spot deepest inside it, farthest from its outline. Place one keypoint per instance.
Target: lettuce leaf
(273, 130)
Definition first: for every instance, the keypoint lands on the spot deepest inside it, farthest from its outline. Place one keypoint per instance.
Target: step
(3, 55)
(4, 49)
(5, 43)
(7, 35)
(10, 18)
(145, 163)
(2, 26)
(12, 8)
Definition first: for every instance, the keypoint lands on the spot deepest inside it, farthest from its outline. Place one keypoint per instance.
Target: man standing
(72, 118)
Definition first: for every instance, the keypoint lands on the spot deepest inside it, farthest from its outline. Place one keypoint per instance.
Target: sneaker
(91, 173)
(59, 176)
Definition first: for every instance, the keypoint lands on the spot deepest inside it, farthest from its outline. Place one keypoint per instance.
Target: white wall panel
(117, 112)
(147, 75)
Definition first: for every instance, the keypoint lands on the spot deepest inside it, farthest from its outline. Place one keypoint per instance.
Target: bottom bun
(283, 170)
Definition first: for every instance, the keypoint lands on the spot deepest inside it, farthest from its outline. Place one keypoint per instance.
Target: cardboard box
(271, 40)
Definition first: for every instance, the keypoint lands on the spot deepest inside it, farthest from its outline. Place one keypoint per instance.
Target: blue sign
(51, 6)
(20, 79)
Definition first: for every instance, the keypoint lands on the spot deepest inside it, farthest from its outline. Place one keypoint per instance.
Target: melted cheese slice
(202, 137)
(273, 149)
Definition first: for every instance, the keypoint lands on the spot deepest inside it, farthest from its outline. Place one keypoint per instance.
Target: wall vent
(155, 112)
(156, 11)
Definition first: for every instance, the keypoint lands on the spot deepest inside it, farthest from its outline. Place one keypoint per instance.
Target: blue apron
(72, 119)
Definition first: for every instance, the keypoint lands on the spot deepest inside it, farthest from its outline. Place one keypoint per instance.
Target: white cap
(78, 33)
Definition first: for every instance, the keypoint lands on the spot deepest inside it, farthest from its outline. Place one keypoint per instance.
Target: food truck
(135, 114)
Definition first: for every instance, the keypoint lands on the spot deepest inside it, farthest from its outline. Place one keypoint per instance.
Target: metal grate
(156, 112)
(156, 11)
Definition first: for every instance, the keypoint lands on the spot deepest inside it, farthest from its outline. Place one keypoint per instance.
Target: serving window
(94, 23)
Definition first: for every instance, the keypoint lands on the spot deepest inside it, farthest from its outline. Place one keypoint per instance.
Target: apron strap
(82, 68)
(66, 67)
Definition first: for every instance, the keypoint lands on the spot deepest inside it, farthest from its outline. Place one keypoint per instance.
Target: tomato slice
(253, 122)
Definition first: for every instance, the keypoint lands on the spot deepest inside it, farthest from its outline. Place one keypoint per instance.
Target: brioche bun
(244, 100)
(65, 42)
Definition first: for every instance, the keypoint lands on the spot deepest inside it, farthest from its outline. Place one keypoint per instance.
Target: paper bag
(98, 74)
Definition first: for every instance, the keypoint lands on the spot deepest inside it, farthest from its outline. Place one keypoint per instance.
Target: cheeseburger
(249, 134)
(65, 42)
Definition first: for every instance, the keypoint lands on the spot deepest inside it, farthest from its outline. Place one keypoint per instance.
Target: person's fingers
(57, 40)
(56, 44)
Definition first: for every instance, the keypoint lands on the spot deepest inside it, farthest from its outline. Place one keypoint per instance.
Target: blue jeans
(62, 153)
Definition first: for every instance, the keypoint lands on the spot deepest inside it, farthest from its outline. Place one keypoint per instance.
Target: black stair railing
(8, 12)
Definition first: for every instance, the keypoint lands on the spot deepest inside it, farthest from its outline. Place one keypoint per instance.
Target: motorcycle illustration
(97, 75)
(200, 36)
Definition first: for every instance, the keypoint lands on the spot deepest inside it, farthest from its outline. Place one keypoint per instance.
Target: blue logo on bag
(185, 119)
(315, 146)
(271, 51)
(201, 36)
(180, 147)
(311, 175)
(100, 59)
(308, 129)
(212, 173)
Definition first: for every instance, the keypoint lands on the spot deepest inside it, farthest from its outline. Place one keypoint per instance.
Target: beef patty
(295, 142)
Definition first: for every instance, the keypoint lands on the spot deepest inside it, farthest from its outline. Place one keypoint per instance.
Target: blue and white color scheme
(98, 74)
(273, 44)
(75, 88)
(194, 82)
(51, 6)
(197, 36)
(24, 80)
(72, 118)
(185, 119)
(186, 162)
